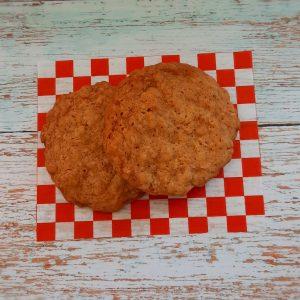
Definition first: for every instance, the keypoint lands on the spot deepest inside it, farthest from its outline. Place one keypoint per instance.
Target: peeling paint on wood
(258, 264)
(262, 264)
(76, 29)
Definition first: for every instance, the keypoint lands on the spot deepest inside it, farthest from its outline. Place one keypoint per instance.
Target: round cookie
(170, 127)
(74, 154)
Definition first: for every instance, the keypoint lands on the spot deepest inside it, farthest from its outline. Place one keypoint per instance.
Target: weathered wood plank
(77, 29)
(261, 264)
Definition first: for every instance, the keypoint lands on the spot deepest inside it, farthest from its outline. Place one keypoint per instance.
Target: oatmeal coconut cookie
(170, 127)
(74, 153)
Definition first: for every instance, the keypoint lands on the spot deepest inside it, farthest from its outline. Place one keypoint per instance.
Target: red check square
(64, 68)
(251, 167)
(235, 107)
(159, 226)
(236, 224)
(234, 186)
(64, 212)
(46, 86)
(41, 120)
(45, 231)
(101, 216)
(216, 206)
(248, 130)
(245, 94)
(170, 58)
(99, 67)
(45, 194)
(116, 79)
(226, 78)
(133, 63)
(140, 209)
(121, 228)
(198, 225)
(206, 61)
(242, 59)
(178, 208)
(197, 192)
(81, 81)
(220, 174)
(41, 157)
(254, 205)
(83, 230)
(236, 149)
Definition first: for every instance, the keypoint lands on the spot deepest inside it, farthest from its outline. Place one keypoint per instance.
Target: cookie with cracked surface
(170, 127)
(74, 154)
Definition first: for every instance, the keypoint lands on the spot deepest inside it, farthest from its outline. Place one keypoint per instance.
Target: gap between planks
(259, 125)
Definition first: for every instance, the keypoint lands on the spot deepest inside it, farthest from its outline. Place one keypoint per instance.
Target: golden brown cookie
(74, 154)
(169, 128)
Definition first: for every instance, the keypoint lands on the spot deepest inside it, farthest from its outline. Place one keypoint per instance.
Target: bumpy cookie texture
(74, 154)
(169, 128)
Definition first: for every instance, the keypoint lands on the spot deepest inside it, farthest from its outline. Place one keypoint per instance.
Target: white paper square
(217, 225)
(45, 103)
(243, 77)
(179, 226)
(46, 69)
(43, 177)
(232, 94)
(189, 58)
(123, 213)
(224, 61)
(40, 144)
(249, 148)
(247, 112)
(152, 60)
(45, 213)
(233, 168)
(256, 223)
(83, 214)
(117, 66)
(212, 73)
(215, 187)
(95, 79)
(197, 207)
(64, 230)
(252, 186)
(59, 196)
(235, 206)
(159, 208)
(102, 229)
(82, 67)
(64, 85)
(140, 227)
(144, 197)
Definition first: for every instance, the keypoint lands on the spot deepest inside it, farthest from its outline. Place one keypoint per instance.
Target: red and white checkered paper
(231, 202)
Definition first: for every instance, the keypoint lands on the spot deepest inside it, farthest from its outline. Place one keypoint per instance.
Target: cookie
(74, 154)
(170, 127)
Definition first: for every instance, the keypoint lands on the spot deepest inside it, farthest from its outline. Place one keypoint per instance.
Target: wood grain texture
(33, 31)
(263, 264)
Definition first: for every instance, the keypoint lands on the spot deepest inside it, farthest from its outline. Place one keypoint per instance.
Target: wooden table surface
(264, 264)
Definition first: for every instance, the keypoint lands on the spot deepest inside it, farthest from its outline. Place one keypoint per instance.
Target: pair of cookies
(163, 130)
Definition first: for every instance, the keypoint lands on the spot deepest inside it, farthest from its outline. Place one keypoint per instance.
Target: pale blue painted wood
(260, 265)
(117, 28)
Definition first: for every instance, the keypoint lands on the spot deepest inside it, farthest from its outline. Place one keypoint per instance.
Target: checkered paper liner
(231, 202)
